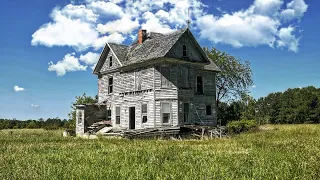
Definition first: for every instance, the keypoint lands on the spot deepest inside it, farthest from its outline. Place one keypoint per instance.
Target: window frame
(184, 50)
(118, 115)
(110, 87)
(109, 115)
(80, 112)
(110, 61)
(202, 85)
(208, 114)
(170, 112)
(168, 84)
(144, 114)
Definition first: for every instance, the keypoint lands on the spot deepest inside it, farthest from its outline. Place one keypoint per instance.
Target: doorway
(132, 117)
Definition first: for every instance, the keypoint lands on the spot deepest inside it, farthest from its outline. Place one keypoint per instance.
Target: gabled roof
(155, 46)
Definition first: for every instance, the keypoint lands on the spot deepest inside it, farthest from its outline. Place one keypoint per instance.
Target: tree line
(49, 124)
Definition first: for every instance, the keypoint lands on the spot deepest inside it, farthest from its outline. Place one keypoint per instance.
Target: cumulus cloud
(68, 64)
(89, 24)
(287, 39)
(295, 10)
(66, 30)
(259, 24)
(18, 89)
(90, 58)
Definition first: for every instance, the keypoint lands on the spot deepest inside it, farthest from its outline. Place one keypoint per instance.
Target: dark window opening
(117, 115)
(208, 110)
(165, 76)
(109, 114)
(80, 114)
(199, 85)
(166, 112)
(110, 87)
(144, 110)
(110, 61)
(185, 112)
(184, 50)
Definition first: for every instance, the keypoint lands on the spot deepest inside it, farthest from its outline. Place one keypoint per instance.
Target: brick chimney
(142, 34)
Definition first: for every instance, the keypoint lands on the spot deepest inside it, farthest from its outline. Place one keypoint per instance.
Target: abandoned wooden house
(162, 80)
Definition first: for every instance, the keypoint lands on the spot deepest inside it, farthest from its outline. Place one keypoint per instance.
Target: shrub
(237, 127)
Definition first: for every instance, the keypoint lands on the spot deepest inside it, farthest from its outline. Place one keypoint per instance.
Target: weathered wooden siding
(115, 63)
(193, 53)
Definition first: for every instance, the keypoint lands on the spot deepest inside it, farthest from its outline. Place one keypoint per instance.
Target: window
(185, 77)
(208, 110)
(109, 114)
(117, 115)
(110, 87)
(184, 51)
(166, 111)
(199, 85)
(185, 112)
(110, 61)
(80, 116)
(144, 110)
(165, 78)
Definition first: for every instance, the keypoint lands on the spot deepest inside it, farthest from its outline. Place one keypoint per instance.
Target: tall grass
(276, 152)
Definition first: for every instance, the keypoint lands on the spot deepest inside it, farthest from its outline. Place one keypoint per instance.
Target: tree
(235, 77)
(84, 99)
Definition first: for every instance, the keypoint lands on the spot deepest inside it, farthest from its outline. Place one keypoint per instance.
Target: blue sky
(48, 48)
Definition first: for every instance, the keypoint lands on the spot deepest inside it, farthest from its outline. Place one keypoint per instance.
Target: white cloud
(112, 38)
(260, 24)
(254, 86)
(287, 39)
(67, 64)
(107, 8)
(153, 23)
(34, 106)
(124, 25)
(65, 31)
(18, 89)
(295, 10)
(90, 58)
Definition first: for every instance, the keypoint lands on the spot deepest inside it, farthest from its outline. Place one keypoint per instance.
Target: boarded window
(184, 51)
(109, 114)
(117, 115)
(199, 85)
(110, 87)
(144, 110)
(208, 110)
(185, 112)
(166, 112)
(185, 77)
(165, 76)
(110, 61)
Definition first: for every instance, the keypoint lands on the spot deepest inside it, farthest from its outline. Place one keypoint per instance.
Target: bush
(237, 127)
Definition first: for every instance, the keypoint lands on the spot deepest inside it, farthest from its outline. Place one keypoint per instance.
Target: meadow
(274, 152)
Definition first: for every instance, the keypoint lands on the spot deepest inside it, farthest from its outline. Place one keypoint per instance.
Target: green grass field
(276, 152)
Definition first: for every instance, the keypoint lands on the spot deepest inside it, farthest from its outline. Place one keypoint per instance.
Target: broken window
(199, 85)
(110, 61)
(184, 51)
(165, 76)
(110, 87)
(208, 110)
(185, 112)
(117, 115)
(166, 112)
(109, 114)
(185, 77)
(144, 113)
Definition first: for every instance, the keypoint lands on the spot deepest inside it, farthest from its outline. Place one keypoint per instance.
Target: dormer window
(184, 51)
(110, 61)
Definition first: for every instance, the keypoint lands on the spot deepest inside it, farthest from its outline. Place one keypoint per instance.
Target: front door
(185, 112)
(132, 117)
